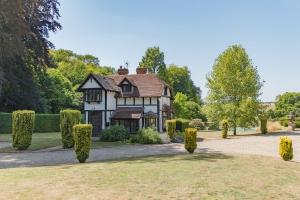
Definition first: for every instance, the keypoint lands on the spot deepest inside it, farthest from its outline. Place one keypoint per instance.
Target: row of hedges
(43, 123)
(284, 121)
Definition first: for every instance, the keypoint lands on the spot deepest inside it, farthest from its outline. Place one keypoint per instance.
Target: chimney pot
(141, 70)
(123, 71)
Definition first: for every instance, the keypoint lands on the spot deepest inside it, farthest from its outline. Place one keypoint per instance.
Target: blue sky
(190, 32)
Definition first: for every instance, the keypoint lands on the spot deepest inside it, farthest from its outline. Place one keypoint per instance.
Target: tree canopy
(287, 103)
(234, 88)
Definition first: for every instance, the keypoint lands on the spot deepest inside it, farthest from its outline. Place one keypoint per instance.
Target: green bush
(286, 148)
(148, 136)
(190, 139)
(197, 124)
(5, 123)
(225, 127)
(263, 125)
(68, 118)
(182, 124)
(46, 123)
(171, 128)
(297, 123)
(284, 121)
(22, 128)
(82, 138)
(212, 126)
(114, 133)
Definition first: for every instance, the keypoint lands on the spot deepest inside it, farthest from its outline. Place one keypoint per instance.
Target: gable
(91, 83)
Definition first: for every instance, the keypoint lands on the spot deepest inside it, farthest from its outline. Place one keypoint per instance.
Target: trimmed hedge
(68, 118)
(263, 125)
(114, 133)
(197, 124)
(171, 128)
(83, 139)
(22, 128)
(182, 124)
(190, 139)
(225, 129)
(286, 148)
(148, 136)
(43, 123)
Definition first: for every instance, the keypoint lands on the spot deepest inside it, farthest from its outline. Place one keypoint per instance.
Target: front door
(95, 118)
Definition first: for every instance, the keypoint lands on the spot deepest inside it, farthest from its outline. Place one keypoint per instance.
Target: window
(150, 122)
(126, 88)
(166, 91)
(93, 95)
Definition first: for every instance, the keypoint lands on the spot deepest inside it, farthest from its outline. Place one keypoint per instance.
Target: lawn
(202, 176)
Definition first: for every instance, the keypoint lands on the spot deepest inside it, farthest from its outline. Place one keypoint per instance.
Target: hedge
(182, 124)
(43, 123)
(190, 139)
(83, 139)
(68, 118)
(286, 148)
(263, 125)
(148, 136)
(22, 128)
(225, 129)
(171, 128)
(114, 133)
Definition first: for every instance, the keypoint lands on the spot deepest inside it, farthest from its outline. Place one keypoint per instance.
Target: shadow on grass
(279, 133)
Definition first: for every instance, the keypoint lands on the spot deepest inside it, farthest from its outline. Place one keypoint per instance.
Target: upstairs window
(126, 88)
(166, 91)
(93, 95)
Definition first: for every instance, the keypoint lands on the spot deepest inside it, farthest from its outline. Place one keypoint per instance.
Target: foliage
(187, 109)
(197, 124)
(284, 121)
(83, 139)
(263, 125)
(68, 118)
(154, 60)
(179, 78)
(148, 136)
(22, 128)
(182, 124)
(286, 148)
(225, 128)
(171, 128)
(190, 139)
(114, 133)
(234, 87)
(5, 122)
(287, 103)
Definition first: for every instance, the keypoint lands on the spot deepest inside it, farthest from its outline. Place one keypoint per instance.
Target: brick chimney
(141, 70)
(123, 71)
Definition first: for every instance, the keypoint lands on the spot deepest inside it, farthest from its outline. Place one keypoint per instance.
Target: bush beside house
(82, 139)
(148, 136)
(171, 128)
(182, 124)
(68, 118)
(114, 133)
(22, 128)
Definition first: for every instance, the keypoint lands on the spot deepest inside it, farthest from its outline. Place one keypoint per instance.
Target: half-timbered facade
(132, 100)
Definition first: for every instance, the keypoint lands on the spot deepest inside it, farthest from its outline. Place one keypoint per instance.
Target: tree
(234, 88)
(287, 103)
(179, 78)
(24, 30)
(154, 60)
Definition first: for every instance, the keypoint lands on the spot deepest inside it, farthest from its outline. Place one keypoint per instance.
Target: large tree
(154, 60)
(179, 78)
(24, 29)
(287, 103)
(234, 88)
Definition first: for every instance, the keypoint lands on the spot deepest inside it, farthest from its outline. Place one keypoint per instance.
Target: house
(134, 101)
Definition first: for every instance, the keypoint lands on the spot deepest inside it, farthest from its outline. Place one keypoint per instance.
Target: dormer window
(166, 91)
(93, 95)
(126, 88)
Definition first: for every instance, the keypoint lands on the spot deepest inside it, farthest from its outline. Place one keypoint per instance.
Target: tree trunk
(234, 131)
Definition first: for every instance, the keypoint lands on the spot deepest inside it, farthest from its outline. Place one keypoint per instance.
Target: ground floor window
(150, 122)
(165, 117)
(131, 125)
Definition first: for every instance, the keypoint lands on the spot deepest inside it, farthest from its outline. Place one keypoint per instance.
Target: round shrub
(82, 139)
(148, 136)
(197, 124)
(22, 128)
(225, 129)
(190, 139)
(286, 148)
(114, 133)
(263, 125)
(68, 118)
(171, 128)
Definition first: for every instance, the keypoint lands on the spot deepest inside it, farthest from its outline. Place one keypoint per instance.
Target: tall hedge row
(43, 123)
(83, 139)
(182, 124)
(68, 118)
(22, 128)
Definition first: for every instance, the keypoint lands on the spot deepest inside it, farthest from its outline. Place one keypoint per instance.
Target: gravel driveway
(256, 145)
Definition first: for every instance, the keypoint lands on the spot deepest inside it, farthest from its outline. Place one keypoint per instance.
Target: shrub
(263, 125)
(46, 123)
(197, 124)
(190, 139)
(171, 128)
(82, 138)
(286, 148)
(148, 136)
(284, 121)
(182, 124)
(225, 129)
(297, 122)
(213, 125)
(114, 133)
(68, 118)
(5, 123)
(22, 128)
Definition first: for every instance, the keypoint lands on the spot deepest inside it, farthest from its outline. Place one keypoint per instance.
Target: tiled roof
(127, 113)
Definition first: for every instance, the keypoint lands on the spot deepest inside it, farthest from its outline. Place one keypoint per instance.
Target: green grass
(39, 141)
(199, 176)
